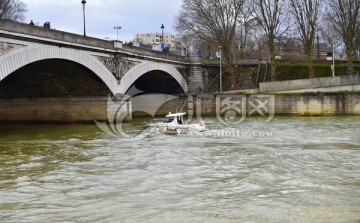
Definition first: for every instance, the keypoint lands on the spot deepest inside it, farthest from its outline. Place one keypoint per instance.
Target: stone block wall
(67, 110)
(62, 110)
(318, 104)
(310, 83)
(196, 78)
(342, 103)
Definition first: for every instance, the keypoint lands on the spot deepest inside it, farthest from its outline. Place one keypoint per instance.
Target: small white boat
(174, 124)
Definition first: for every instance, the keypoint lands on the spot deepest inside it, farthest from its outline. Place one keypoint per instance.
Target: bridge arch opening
(145, 75)
(53, 90)
(155, 87)
(21, 57)
(155, 82)
(52, 78)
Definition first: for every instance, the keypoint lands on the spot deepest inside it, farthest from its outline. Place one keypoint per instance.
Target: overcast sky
(134, 16)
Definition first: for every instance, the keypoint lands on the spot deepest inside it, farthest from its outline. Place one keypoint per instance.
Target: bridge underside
(53, 90)
(52, 78)
(58, 90)
(155, 81)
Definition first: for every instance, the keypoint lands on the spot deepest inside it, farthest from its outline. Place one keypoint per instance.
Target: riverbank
(317, 96)
(300, 104)
(61, 110)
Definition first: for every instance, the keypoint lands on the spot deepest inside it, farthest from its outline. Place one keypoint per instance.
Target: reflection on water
(292, 169)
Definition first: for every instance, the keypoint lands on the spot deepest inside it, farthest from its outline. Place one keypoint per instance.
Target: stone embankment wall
(67, 110)
(62, 110)
(341, 103)
(291, 98)
(318, 104)
(324, 84)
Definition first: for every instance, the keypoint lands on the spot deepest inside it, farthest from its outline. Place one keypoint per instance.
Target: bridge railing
(51, 34)
(311, 83)
(56, 37)
(151, 53)
(243, 61)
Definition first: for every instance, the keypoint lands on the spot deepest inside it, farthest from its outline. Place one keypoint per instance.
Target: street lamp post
(83, 2)
(333, 60)
(117, 31)
(220, 71)
(162, 33)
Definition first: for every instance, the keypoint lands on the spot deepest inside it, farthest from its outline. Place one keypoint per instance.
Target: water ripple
(306, 170)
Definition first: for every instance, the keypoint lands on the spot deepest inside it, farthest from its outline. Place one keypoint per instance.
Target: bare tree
(270, 15)
(12, 10)
(357, 44)
(216, 21)
(330, 36)
(246, 24)
(344, 16)
(306, 15)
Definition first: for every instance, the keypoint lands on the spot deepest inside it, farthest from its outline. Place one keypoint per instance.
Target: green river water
(291, 169)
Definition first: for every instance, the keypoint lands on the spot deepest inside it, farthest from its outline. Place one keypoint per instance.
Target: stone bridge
(118, 66)
(50, 69)
(50, 75)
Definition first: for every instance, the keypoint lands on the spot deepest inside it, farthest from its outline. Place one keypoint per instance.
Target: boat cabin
(176, 118)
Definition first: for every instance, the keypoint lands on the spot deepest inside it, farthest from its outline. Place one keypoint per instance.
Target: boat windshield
(169, 119)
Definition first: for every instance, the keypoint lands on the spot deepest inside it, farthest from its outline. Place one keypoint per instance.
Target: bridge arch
(134, 73)
(16, 59)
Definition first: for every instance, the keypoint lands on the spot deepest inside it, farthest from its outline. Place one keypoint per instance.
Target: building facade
(155, 40)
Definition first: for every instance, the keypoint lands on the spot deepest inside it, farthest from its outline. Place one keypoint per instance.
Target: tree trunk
(349, 54)
(311, 67)
(272, 59)
(273, 68)
(232, 73)
(229, 64)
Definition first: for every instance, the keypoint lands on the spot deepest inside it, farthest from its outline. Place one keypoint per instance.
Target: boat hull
(174, 124)
(179, 129)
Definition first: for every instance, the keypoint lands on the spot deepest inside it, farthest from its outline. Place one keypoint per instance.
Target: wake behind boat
(174, 124)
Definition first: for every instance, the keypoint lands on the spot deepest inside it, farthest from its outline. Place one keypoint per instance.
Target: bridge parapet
(243, 62)
(142, 52)
(56, 37)
(51, 34)
(337, 83)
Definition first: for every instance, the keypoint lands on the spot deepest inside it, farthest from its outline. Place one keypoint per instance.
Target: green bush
(292, 70)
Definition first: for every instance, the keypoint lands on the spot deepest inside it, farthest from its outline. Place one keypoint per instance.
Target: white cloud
(135, 16)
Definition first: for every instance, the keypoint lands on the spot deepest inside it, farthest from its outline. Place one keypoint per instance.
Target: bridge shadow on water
(155, 82)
